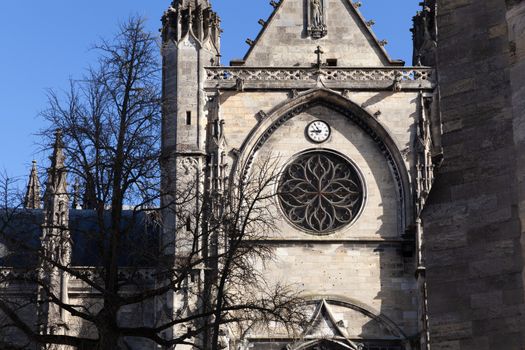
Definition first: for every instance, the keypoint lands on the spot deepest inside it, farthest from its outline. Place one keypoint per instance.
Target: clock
(318, 131)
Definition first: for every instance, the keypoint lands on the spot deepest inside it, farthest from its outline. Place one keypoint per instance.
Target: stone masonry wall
(472, 225)
(286, 43)
(516, 29)
(364, 261)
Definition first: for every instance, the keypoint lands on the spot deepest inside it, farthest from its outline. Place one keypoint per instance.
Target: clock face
(318, 131)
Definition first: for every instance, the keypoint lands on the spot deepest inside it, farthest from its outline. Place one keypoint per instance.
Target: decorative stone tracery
(328, 99)
(320, 192)
(297, 110)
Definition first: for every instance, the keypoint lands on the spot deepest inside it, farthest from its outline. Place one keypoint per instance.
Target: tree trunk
(108, 341)
(108, 330)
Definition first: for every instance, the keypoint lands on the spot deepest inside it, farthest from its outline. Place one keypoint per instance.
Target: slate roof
(20, 238)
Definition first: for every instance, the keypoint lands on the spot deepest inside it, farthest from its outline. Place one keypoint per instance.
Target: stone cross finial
(32, 198)
(319, 53)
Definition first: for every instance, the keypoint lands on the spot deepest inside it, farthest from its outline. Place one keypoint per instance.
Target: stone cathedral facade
(357, 137)
(399, 202)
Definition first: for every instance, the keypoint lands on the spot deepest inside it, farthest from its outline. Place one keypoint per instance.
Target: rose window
(320, 192)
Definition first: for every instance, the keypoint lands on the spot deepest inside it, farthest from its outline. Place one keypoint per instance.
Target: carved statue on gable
(316, 18)
(317, 13)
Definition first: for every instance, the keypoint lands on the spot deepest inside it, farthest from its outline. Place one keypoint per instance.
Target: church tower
(355, 138)
(191, 41)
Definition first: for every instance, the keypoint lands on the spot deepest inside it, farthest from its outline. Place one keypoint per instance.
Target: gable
(285, 41)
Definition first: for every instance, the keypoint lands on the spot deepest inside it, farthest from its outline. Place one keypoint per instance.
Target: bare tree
(16, 295)
(109, 139)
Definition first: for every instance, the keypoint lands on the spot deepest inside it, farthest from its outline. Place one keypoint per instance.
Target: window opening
(331, 62)
(188, 118)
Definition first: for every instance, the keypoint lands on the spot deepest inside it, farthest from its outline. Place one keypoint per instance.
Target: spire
(56, 181)
(58, 151)
(56, 198)
(32, 197)
(55, 242)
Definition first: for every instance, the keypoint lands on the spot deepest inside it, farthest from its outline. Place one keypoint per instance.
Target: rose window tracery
(320, 192)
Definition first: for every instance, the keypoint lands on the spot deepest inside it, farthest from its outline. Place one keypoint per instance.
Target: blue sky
(44, 43)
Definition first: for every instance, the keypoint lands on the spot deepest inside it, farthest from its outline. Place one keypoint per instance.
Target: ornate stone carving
(317, 18)
(186, 165)
(260, 116)
(275, 4)
(235, 152)
(224, 339)
(425, 34)
(425, 163)
(398, 78)
(239, 83)
(188, 171)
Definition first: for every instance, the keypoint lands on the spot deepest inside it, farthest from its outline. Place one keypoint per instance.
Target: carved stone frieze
(247, 74)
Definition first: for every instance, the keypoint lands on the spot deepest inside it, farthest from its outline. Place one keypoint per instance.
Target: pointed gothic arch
(355, 114)
(362, 308)
(314, 337)
(323, 344)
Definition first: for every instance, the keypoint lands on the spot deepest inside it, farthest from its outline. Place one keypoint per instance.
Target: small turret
(32, 199)
(424, 34)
